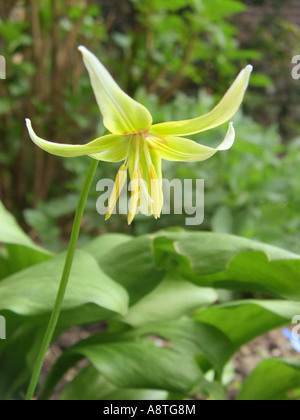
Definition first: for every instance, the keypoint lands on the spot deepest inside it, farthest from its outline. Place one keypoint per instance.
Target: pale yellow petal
(222, 113)
(184, 150)
(121, 113)
(112, 145)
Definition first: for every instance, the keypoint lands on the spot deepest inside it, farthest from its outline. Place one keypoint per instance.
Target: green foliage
(160, 45)
(152, 350)
(167, 48)
(252, 191)
(271, 380)
(175, 305)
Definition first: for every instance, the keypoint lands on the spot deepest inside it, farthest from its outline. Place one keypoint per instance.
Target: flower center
(145, 186)
(139, 133)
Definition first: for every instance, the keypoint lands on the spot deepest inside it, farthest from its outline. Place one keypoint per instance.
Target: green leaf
(33, 291)
(21, 257)
(132, 265)
(5, 270)
(214, 391)
(229, 262)
(271, 379)
(89, 385)
(165, 357)
(181, 296)
(242, 321)
(211, 252)
(103, 244)
(254, 272)
(22, 252)
(17, 355)
(11, 233)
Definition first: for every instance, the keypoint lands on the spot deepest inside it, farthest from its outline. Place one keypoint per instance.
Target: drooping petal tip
(81, 48)
(180, 149)
(229, 139)
(110, 148)
(28, 122)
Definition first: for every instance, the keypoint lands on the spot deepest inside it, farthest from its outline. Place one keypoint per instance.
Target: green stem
(63, 283)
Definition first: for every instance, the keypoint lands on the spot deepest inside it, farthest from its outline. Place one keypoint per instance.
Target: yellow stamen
(141, 171)
(154, 184)
(134, 196)
(117, 188)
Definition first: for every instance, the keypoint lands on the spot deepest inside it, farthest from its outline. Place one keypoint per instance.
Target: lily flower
(139, 143)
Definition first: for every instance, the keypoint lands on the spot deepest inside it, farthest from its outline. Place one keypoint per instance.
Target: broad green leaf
(89, 385)
(20, 257)
(271, 379)
(230, 262)
(213, 390)
(33, 291)
(165, 357)
(181, 296)
(20, 251)
(104, 244)
(254, 272)
(132, 265)
(11, 233)
(242, 321)
(211, 252)
(5, 270)
(17, 355)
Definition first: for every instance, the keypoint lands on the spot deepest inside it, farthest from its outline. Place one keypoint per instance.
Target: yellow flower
(140, 143)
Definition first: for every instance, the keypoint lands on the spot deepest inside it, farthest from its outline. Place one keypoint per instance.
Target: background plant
(163, 53)
(147, 349)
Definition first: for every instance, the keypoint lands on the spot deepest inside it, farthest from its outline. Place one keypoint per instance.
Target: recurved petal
(115, 154)
(121, 113)
(222, 113)
(112, 144)
(183, 150)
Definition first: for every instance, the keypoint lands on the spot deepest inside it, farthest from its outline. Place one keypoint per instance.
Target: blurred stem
(178, 78)
(63, 283)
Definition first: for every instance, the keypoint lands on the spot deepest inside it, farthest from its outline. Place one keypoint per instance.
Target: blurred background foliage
(176, 57)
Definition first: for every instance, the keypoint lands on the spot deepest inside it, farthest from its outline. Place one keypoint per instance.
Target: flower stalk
(64, 281)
